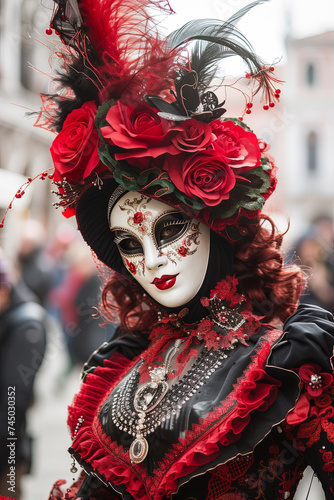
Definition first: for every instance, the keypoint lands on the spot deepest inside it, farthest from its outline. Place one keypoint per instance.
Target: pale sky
(266, 25)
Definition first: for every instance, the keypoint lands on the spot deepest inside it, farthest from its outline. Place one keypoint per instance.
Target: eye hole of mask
(127, 243)
(170, 227)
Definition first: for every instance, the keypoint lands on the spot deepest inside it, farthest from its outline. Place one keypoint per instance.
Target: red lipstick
(166, 281)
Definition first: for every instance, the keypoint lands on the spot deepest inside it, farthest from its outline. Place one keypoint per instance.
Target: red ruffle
(229, 429)
(57, 493)
(255, 390)
(93, 391)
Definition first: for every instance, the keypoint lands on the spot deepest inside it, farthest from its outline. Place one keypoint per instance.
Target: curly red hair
(124, 302)
(273, 288)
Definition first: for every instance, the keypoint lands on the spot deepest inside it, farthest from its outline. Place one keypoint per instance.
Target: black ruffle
(122, 343)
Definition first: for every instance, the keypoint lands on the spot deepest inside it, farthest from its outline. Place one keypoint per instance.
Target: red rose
(75, 149)
(323, 401)
(328, 467)
(205, 175)
(264, 148)
(182, 251)
(138, 218)
(240, 147)
(327, 456)
(140, 132)
(192, 136)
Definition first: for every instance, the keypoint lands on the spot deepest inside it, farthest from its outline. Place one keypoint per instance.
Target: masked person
(200, 396)
(23, 329)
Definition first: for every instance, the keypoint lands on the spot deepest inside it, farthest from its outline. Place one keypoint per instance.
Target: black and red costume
(248, 431)
(214, 404)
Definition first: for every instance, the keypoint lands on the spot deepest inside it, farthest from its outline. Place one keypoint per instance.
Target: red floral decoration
(274, 449)
(137, 133)
(182, 251)
(264, 148)
(75, 149)
(313, 427)
(227, 290)
(202, 165)
(203, 161)
(328, 458)
(205, 175)
(315, 380)
(138, 218)
(192, 136)
(239, 146)
(323, 401)
(132, 268)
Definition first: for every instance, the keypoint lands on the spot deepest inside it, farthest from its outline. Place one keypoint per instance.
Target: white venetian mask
(164, 250)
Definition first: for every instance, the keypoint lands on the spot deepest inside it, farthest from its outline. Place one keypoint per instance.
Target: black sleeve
(93, 489)
(308, 338)
(21, 355)
(123, 343)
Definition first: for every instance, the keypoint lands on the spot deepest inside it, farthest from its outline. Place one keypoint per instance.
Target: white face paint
(163, 249)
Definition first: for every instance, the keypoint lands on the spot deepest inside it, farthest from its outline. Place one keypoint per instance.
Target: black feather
(214, 41)
(80, 77)
(80, 62)
(67, 20)
(164, 106)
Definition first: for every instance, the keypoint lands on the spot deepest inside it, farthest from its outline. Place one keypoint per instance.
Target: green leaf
(195, 203)
(106, 157)
(162, 192)
(100, 117)
(254, 205)
(265, 163)
(127, 182)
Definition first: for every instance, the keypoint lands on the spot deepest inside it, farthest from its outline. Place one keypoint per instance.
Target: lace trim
(231, 321)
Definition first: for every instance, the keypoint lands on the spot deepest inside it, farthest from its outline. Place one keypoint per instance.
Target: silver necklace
(139, 411)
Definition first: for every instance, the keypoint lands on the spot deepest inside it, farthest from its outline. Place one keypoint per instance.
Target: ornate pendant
(138, 450)
(144, 415)
(149, 396)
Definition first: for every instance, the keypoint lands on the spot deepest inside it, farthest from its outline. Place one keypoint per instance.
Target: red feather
(127, 41)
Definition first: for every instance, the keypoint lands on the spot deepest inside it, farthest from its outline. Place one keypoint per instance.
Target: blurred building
(300, 130)
(24, 149)
(309, 146)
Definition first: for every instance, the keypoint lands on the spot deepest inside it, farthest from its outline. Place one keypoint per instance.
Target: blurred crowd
(47, 284)
(315, 252)
(57, 282)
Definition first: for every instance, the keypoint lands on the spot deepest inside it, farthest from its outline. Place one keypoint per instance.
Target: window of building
(312, 152)
(310, 74)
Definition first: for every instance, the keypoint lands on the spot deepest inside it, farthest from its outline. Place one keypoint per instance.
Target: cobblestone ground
(47, 422)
